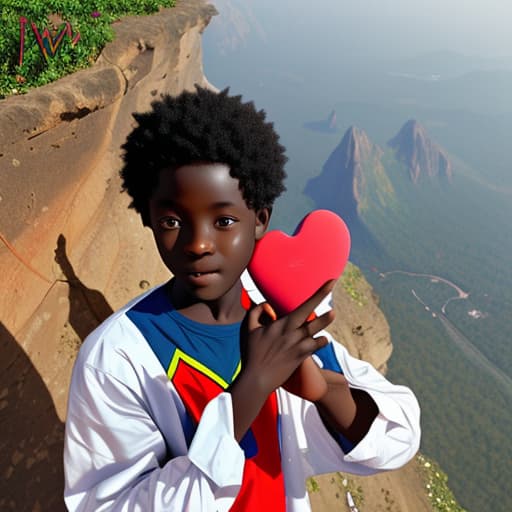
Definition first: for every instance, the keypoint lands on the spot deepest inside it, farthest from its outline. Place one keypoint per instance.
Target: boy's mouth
(201, 278)
(196, 275)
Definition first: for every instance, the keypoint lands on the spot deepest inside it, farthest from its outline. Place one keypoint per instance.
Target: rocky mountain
(358, 175)
(367, 185)
(428, 224)
(420, 154)
(344, 181)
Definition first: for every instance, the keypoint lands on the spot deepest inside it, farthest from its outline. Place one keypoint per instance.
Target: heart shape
(289, 269)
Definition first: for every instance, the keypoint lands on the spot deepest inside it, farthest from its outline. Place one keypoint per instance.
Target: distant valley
(414, 222)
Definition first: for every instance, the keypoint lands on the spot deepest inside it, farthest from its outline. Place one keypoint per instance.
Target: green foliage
(312, 485)
(348, 484)
(441, 497)
(455, 399)
(458, 232)
(378, 192)
(352, 281)
(339, 485)
(91, 18)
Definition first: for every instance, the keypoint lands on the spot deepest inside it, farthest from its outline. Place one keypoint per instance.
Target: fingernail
(269, 310)
(312, 316)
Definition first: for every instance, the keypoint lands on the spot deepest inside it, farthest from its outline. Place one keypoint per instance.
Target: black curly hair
(204, 126)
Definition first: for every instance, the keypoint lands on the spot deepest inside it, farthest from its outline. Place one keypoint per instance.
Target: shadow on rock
(32, 435)
(88, 307)
(31, 444)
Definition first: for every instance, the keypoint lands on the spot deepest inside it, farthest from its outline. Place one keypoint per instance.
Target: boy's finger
(321, 341)
(319, 323)
(269, 310)
(260, 315)
(299, 315)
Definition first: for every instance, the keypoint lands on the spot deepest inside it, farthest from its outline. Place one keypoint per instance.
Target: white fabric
(307, 449)
(125, 448)
(257, 297)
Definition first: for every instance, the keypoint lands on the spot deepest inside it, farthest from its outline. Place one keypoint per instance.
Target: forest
(438, 228)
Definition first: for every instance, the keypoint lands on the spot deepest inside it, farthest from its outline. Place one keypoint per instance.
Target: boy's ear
(262, 221)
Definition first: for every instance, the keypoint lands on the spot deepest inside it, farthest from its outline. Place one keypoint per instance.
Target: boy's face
(204, 231)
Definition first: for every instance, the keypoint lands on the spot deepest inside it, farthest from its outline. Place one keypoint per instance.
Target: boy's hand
(307, 381)
(274, 350)
(271, 352)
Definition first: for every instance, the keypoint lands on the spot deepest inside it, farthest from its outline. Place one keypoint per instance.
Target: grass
(352, 281)
(342, 484)
(436, 486)
(92, 19)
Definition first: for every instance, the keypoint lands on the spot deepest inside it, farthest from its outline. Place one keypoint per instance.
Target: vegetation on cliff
(440, 495)
(353, 283)
(43, 40)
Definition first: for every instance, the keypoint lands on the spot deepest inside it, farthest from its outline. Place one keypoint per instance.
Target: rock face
(421, 155)
(352, 180)
(354, 175)
(342, 182)
(71, 252)
(359, 324)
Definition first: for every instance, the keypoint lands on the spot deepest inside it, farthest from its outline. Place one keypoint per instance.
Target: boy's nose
(199, 242)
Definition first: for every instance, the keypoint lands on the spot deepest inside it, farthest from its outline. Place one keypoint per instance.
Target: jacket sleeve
(116, 459)
(392, 440)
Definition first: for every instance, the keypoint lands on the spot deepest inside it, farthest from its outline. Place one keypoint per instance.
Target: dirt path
(461, 294)
(402, 490)
(463, 343)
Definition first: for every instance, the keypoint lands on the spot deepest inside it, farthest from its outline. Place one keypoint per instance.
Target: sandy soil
(401, 490)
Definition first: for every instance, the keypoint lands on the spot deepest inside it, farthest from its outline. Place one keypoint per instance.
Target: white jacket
(125, 418)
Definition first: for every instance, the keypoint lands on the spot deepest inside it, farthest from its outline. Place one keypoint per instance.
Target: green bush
(91, 18)
(440, 495)
(352, 280)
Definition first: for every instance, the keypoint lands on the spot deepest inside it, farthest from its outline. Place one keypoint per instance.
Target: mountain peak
(421, 155)
(331, 120)
(356, 147)
(342, 184)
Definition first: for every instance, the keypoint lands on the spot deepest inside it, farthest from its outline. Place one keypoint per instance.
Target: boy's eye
(169, 223)
(224, 222)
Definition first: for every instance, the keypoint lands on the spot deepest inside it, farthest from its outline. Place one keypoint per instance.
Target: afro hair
(204, 126)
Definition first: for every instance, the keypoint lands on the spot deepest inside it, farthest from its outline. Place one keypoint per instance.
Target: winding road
(461, 294)
(466, 346)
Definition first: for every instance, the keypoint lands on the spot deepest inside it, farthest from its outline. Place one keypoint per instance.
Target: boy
(184, 401)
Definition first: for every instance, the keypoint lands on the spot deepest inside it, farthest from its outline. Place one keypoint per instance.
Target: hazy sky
(379, 28)
(477, 27)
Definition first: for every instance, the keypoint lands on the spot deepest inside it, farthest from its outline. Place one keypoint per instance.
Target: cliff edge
(71, 251)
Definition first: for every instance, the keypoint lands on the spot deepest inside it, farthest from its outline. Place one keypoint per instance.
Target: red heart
(289, 269)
